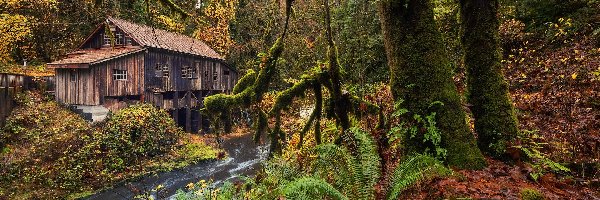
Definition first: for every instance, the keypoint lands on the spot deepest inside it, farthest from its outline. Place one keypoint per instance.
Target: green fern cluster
(414, 170)
(311, 188)
(356, 175)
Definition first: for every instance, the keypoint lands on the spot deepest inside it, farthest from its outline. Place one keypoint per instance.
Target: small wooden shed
(121, 63)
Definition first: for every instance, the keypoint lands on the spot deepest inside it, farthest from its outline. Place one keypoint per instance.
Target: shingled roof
(84, 57)
(156, 38)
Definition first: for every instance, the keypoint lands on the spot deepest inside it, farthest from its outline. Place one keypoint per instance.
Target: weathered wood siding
(204, 79)
(90, 86)
(76, 87)
(97, 39)
(133, 86)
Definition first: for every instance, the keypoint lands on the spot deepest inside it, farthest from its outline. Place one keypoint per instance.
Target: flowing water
(244, 159)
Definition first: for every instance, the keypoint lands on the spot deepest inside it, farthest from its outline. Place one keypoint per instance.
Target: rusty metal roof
(84, 57)
(157, 38)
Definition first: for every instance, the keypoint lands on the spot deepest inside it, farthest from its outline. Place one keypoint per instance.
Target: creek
(244, 160)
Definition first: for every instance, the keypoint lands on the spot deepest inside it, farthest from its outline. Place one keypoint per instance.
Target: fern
(415, 169)
(355, 176)
(311, 188)
(369, 162)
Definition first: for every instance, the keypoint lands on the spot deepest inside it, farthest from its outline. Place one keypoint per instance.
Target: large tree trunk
(421, 75)
(495, 122)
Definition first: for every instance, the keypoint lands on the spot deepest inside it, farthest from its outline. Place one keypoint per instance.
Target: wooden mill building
(121, 63)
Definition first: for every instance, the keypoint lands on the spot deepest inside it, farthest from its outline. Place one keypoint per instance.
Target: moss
(261, 125)
(306, 127)
(284, 99)
(360, 105)
(421, 74)
(275, 134)
(319, 109)
(531, 194)
(268, 69)
(245, 82)
(219, 106)
(495, 121)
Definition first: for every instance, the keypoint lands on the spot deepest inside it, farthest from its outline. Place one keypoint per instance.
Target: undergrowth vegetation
(50, 152)
(325, 170)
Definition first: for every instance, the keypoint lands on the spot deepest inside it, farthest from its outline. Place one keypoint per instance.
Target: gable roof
(157, 38)
(145, 36)
(84, 57)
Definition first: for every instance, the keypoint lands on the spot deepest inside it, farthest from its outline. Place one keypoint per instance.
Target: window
(165, 70)
(119, 74)
(73, 76)
(226, 72)
(119, 38)
(107, 40)
(161, 70)
(185, 70)
(158, 70)
(193, 72)
(189, 72)
(215, 74)
(128, 41)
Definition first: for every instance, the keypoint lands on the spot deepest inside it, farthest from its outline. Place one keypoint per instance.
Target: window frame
(119, 75)
(184, 72)
(119, 38)
(215, 73)
(105, 39)
(158, 70)
(165, 70)
(193, 72)
(72, 76)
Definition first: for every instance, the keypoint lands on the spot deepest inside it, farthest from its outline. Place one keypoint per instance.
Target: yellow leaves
(215, 30)
(171, 24)
(574, 76)
(13, 28)
(564, 60)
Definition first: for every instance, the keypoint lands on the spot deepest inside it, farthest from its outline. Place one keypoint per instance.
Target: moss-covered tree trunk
(495, 121)
(421, 75)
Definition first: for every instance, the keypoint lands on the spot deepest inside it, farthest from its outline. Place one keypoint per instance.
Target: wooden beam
(188, 112)
(201, 128)
(176, 106)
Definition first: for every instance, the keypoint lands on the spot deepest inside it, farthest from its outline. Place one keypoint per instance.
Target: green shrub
(139, 131)
(39, 139)
(539, 12)
(531, 194)
(49, 152)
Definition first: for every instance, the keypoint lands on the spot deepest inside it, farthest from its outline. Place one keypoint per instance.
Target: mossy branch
(245, 82)
(261, 125)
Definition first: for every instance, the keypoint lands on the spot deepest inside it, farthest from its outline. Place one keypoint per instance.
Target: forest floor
(555, 88)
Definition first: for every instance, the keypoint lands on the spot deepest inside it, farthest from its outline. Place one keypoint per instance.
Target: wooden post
(201, 128)
(188, 111)
(176, 107)
(5, 80)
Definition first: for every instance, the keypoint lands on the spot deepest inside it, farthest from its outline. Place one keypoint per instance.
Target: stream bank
(244, 159)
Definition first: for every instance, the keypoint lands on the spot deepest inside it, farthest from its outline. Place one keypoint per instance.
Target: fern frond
(415, 169)
(367, 162)
(354, 176)
(311, 188)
